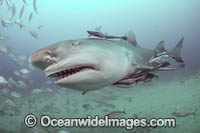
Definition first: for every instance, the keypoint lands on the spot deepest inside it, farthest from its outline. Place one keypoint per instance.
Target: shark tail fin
(176, 51)
(130, 37)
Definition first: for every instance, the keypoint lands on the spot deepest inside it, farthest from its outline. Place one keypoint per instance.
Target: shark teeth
(69, 72)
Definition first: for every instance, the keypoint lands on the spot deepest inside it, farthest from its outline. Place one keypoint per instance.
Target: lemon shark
(93, 63)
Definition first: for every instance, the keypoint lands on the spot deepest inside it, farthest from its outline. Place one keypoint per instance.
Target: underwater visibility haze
(124, 59)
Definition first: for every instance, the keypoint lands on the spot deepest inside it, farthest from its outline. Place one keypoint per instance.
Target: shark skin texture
(93, 63)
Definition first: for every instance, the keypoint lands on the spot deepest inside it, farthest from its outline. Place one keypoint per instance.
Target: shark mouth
(69, 72)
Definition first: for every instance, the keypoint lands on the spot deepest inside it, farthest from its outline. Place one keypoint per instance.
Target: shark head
(83, 65)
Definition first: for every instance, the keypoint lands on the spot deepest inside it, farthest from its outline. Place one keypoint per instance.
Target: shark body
(92, 63)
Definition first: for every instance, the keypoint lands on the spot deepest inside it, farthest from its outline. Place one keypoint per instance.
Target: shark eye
(76, 43)
(50, 54)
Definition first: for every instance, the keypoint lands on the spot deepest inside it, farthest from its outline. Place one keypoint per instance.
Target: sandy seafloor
(157, 99)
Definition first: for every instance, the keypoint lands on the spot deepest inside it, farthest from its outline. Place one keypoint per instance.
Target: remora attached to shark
(94, 63)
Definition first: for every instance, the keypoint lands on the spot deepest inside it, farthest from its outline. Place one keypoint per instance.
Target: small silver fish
(110, 105)
(25, 2)
(1, 2)
(87, 106)
(21, 12)
(35, 6)
(5, 22)
(8, 4)
(2, 38)
(19, 23)
(34, 34)
(39, 27)
(116, 114)
(30, 16)
(14, 9)
(184, 113)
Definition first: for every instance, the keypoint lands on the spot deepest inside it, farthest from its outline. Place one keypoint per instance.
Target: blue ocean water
(151, 21)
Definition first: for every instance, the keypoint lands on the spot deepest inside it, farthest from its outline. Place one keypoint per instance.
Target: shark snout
(41, 59)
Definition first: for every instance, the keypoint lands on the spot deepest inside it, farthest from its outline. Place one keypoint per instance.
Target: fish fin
(160, 48)
(194, 114)
(176, 51)
(21, 27)
(84, 92)
(131, 38)
(124, 111)
(98, 28)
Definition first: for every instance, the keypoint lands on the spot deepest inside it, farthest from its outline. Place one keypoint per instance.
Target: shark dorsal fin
(131, 38)
(160, 48)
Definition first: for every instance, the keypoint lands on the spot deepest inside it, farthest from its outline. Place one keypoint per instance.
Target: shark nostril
(48, 60)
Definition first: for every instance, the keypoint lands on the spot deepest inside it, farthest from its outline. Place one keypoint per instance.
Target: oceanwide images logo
(128, 123)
